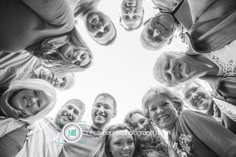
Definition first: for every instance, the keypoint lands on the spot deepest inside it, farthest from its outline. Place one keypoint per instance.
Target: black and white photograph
(118, 78)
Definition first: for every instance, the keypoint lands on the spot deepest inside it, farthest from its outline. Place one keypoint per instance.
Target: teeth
(163, 117)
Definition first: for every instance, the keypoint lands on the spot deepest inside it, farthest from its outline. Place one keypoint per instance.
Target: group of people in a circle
(41, 48)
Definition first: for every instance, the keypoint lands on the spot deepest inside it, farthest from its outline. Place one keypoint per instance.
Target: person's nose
(34, 100)
(70, 112)
(101, 109)
(126, 146)
(140, 126)
(101, 28)
(159, 110)
(156, 33)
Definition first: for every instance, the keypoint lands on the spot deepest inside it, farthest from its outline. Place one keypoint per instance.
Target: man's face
(131, 15)
(158, 31)
(141, 124)
(103, 110)
(178, 69)
(197, 97)
(100, 27)
(29, 101)
(166, 5)
(67, 114)
(162, 112)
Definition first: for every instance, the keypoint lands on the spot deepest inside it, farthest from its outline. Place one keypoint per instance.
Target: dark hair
(103, 149)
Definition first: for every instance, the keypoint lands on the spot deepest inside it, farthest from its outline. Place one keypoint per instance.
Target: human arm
(208, 131)
(53, 12)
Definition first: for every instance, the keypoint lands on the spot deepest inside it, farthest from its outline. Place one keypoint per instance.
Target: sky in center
(123, 69)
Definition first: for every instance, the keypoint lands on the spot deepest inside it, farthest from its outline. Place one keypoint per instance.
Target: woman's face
(142, 125)
(122, 144)
(162, 112)
(76, 56)
(178, 69)
(29, 101)
(100, 27)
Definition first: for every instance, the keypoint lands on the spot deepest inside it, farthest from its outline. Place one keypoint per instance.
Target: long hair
(104, 149)
(49, 51)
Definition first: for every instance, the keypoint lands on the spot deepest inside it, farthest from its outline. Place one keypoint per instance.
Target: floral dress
(197, 134)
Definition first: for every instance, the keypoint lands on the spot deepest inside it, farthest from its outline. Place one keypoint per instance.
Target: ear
(114, 114)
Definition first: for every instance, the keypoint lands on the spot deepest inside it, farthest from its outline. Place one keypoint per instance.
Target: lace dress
(225, 59)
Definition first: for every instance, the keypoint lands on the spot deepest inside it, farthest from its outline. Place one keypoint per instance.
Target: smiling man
(200, 99)
(99, 26)
(209, 24)
(45, 138)
(103, 110)
(158, 31)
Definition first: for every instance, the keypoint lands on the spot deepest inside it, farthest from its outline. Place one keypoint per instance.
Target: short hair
(107, 95)
(104, 150)
(78, 103)
(129, 115)
(171, 95)
(158, 66)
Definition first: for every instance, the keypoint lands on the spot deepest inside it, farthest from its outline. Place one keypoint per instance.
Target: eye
(187, 96)
(118, 143)
(142, 121)
(106, 29)
(153, 109)
(126, 17)
(130, 142)
(165, 104)
(195, 89)
(98, 105)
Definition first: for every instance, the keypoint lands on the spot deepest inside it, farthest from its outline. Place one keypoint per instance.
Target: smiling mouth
(125, 153)
(161, 118)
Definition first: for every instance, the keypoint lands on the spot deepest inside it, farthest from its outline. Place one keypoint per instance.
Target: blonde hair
(171, 95)
(158, 67)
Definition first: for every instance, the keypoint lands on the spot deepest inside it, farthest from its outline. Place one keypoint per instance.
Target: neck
(97, 127)
(208, 66)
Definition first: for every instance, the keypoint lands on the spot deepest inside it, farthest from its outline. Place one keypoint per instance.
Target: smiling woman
(28, 99)
(119, 142)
